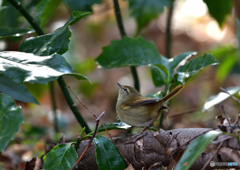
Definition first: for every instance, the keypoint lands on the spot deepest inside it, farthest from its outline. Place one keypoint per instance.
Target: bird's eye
(125, 90)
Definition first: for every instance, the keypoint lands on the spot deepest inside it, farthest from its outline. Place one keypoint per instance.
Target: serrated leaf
(16, 91)
(171, 66)
(61, 157)
(144, 11)
(195, 149)
(10, 120)
(219, 10)
(216, 99)
(128, 52)
(14, 32)
(194, 66)
(26, 67)
(83, 5)
(45, 10)
(107, 155)
(55, 42)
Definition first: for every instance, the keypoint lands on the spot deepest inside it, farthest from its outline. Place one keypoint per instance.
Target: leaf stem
(168, 30)
(61, 82)
(123, 33)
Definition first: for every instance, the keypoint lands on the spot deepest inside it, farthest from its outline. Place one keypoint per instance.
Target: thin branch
(123, 33)
(100, 121)
(89, 143)
(227, 118)
(230, 95)
(207, 163)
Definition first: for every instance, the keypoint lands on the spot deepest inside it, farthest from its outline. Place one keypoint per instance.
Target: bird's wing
(143, 101)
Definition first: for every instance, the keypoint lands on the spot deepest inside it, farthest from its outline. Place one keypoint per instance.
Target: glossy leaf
(115, 125)
(171, 65)
(144, 11)
(61, 157)
(214, 100)
(83, 5)
(10, 120)
(194, 66)
(13, 32)
(128, 52)
(107, 155)
(219, 9)
(16, 91)
(55, 42)
(195, 149)
(161, 71)
(45, 10)
(26, 67)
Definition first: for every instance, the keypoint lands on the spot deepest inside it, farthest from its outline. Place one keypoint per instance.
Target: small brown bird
(136, 110)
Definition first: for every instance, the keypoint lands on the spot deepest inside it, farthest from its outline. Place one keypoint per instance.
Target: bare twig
(234, 98)
(207, 163)
(182, 113)
(227, 118)
(100, 121)
(89, 143)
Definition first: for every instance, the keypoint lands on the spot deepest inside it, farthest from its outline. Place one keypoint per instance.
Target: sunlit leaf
(26, 67)
(195, 149)
(107, 155)
(194, 66)
(10, 120)
(128, 52)
(61, 157)
(214, 100)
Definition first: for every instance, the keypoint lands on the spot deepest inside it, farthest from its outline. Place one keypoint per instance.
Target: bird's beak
(119, 85)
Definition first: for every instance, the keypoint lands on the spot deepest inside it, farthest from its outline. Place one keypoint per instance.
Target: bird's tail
(172, 93)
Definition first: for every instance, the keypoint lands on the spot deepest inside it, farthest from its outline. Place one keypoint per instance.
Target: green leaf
(55, 42)
(45, 10)
(10, 120)
(146, 10)
(14, 32)
(26, 67)
(129, 52)
(216, 99)
(9, 15)
(83, 5)
(115, 125)
(157, 95)
(195, 149)
(194, 66)
(61, 157)
(16, 91)
(79, 76)
(159, 69)
(171, 65)
(107, 155)
(219, 9)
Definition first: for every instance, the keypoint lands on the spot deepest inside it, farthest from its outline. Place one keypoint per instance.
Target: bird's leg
(145, 127)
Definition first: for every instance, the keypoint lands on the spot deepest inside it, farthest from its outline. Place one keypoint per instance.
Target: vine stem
(123, 33)
(61, 82)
